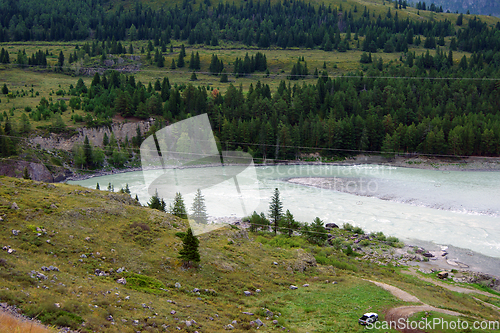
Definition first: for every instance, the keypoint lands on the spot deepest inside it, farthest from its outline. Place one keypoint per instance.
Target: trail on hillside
(458, 289)
(400, 314)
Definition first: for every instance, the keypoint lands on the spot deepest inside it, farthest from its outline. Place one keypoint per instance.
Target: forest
(422, 103)
(284, 24)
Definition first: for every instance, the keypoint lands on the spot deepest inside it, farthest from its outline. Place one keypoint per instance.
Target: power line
(242, 75)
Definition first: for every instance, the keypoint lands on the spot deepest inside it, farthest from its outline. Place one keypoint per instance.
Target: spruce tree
(199, 209)
(26, 174)
(97, 187)
(288, 223)
(156, 202)
(189, 252)
(178, 208)
(275, 209)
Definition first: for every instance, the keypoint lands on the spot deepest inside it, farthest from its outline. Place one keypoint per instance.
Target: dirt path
(487, 304)
(397, 316)
(458, 289)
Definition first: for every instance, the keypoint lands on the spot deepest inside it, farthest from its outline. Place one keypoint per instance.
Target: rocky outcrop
(36, 171)
(95, 135)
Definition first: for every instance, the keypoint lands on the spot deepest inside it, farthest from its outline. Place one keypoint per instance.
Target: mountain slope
(65, 249)
(478, 7)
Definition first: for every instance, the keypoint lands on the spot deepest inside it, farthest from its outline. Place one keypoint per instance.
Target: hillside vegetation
(66, 249)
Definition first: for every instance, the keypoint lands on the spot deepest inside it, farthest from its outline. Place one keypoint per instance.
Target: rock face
(36, 171)
(95, 135)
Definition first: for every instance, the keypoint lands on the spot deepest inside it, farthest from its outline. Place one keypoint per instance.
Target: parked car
(368, 318)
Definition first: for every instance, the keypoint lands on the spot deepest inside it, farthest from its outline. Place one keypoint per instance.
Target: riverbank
(416, 162)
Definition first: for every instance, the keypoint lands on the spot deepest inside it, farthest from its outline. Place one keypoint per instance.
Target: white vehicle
(368, 318)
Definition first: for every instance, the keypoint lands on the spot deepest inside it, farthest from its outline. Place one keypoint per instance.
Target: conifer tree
(275, 209)
(178, 208)
(199, 209)
(156, 202)
(189, 252)
(288, 223)
(97, 187)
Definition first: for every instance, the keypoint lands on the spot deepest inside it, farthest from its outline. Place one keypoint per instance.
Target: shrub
(348, 226)
(358, 231)
(143, 283)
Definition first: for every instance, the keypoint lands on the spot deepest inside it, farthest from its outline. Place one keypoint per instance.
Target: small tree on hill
(316, 232)
(189, 252)
(199, 209)
(288, 223)
(275, 209)
(156, 202)
(178, 208)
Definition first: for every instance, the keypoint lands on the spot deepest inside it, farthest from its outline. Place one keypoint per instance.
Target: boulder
(122, 281)
(247, 293)
(14, 206)
(304, 261)
(428, 255)
(293, 287)
(259, 323)
(331, 226)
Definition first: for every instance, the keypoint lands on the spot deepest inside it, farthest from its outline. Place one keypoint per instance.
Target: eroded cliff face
(95, 135)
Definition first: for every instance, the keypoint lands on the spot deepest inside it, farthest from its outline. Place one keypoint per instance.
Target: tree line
(283, 24)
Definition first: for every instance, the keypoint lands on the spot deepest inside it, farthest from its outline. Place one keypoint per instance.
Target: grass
(12, 324)
(92, 230)
(280, 63)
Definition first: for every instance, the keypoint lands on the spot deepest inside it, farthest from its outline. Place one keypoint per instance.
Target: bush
(347, 226)
(49, 314)
(358, 231)
(285, 242)
(143, 283)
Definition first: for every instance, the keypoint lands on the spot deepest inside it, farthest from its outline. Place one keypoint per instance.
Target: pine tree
(288, 223)
(316, 232)
(189, 252)
(26, 174)
(156, 202)
(178, 209)
(275, 209)
(97, 187)
(199, 209)
(193, 77)
(88, 150)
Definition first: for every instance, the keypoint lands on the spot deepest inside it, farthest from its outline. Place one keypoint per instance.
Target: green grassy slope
(83, 231)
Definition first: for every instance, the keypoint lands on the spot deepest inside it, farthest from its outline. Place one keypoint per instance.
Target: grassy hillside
(81, 233)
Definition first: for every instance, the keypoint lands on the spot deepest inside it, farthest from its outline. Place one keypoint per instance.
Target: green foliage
(143, 283)
(49, 313)
(156, 202)
(189, 252)
(199, 209)
(275, 209)
(315, 232)
(322, 260)
(282, 241)
(178, 208)
(288, 223)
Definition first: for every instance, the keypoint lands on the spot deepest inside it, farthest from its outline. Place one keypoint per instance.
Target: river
(458, 208)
